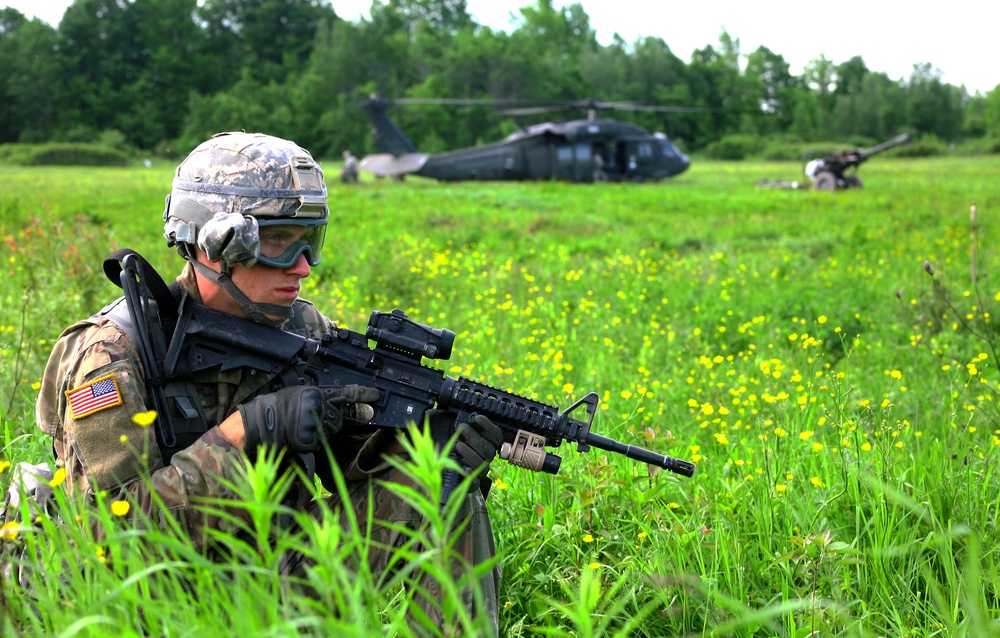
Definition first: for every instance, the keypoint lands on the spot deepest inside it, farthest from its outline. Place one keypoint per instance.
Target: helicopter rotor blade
(533, 110)
(595, 105)
(453, 101)
(518, 108)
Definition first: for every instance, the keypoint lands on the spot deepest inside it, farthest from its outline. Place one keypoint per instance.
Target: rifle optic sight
(396, 332)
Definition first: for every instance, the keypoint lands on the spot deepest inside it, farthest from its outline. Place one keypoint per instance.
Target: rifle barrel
(678, 466)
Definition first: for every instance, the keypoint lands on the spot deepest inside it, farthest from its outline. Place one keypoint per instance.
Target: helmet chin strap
(257, 311)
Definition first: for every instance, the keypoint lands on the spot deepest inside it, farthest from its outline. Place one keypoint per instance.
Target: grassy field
(828, 360)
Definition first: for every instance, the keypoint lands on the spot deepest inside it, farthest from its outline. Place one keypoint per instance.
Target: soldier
(248, 213)
(349, 172)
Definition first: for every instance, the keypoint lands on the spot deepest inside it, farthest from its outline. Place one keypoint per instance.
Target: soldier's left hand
(478, 442)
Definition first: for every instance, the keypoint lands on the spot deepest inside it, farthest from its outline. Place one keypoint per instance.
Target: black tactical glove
(299, 417)
(477, 443)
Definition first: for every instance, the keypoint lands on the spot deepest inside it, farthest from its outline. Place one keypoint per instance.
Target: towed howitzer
(205, 338)
(829, 172)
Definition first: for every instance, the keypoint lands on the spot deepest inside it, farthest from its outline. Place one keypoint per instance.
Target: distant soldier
(599, 174)
(349, 173)
(814, 167)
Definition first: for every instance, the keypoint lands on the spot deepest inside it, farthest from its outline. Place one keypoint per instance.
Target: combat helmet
(232, 186)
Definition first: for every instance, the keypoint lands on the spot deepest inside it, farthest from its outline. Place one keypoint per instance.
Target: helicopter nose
(683, 161)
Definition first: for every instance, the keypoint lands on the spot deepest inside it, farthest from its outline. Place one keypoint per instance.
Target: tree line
(162, 75)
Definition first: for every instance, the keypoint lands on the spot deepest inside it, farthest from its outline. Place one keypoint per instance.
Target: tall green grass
(838, 396)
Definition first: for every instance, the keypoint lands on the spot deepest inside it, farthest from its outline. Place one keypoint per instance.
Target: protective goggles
(282, 242)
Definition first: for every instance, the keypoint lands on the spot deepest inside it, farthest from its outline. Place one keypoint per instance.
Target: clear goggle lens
(281, 243)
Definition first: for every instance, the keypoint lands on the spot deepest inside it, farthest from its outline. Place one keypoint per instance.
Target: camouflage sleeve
(91, 390)
(315, 323)
(202, 471)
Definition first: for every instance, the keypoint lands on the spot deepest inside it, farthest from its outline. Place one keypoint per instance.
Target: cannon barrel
(885, 146)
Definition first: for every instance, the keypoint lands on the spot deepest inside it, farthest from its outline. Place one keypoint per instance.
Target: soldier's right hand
(299, 418)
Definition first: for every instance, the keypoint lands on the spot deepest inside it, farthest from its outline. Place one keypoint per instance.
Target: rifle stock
(206, 338)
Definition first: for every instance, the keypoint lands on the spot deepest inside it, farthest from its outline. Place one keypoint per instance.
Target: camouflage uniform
(349, 172)
(90, 446)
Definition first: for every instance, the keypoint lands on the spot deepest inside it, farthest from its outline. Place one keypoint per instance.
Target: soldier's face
(262, 284)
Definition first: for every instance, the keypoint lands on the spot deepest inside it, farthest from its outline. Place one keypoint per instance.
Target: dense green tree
(28, 76)
(718, 84)
(820, 76)
(548, 42)
(932, 106)
(328, 92)
(875, 111)
(101, 52)
(658, 77)
(439, 15)
(158, 96)
(606, 69)
(774, 88)
(849, 76)
(166, 73)
(991, 113)
(848, 107)
(268, 38)
(974, 116)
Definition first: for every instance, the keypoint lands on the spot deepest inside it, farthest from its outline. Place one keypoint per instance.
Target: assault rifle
(204, 339)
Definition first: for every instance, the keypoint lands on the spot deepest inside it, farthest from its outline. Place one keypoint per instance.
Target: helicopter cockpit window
(645, 150)
(669, 150)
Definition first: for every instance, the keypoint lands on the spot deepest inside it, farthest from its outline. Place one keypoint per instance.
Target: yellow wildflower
(10, 530)
(144, 419)
(58, 477)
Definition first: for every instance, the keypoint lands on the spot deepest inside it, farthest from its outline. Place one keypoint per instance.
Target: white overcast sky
(958, 36)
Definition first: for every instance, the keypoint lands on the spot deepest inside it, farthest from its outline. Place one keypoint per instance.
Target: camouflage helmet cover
(251, 174)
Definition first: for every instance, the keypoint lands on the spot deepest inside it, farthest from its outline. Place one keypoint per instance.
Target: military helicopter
(584, 150)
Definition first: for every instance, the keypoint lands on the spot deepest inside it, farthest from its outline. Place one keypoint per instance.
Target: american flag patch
(93, 397)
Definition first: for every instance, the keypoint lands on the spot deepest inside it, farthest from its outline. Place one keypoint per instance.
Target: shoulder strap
(152, 309)
(166, 297)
